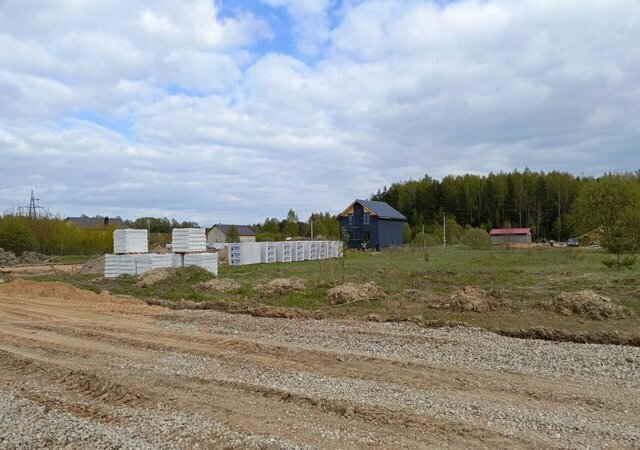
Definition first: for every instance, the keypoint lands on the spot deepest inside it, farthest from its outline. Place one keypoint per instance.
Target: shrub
(476, 239)
(16, 234)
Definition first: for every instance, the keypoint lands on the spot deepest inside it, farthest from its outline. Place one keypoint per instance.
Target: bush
(16, 235)
(426, 240)
(476, 239)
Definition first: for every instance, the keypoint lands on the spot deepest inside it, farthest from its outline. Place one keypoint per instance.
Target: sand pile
(352, 292)
(220, 285)
(223, 256)
(153, 276)
(473, 299)
(92, 266)
(584, 303)
(55, 289)
(280, 286)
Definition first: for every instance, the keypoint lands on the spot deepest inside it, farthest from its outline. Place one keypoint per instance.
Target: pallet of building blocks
(339, 249)
(177, 260)
(323, 248)
(297, 251)
(208, 261)
(130, 241)
(244, 253)
(331, 249)
(267, 252)
(116, 265)
(188, 240)
(310, 250)
(284, 251)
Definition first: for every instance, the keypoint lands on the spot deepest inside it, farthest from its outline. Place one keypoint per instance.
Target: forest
(545, 202)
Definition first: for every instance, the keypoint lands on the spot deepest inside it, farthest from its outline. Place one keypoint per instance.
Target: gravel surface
(79, 370)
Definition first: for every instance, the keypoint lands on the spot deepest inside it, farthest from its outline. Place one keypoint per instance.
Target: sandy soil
(40, 269)
(82, 370)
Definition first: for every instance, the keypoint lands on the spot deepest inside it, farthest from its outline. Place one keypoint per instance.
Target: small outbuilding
(218, 233)
(375, 224)
(504, 236)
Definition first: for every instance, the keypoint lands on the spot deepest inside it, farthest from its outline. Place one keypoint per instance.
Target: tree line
(325, 225)
(544, 202)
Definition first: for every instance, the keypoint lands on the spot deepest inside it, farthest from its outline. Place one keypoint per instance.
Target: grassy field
(414, 280)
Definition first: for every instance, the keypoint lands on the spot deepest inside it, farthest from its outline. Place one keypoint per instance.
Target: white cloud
(209, 128)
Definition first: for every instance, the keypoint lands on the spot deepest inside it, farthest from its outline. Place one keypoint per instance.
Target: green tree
(16, 234)
(232, 234)
(291, 224)
(406, 232)
(610, 203)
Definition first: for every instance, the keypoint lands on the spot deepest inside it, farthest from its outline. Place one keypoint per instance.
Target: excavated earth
(84, 370)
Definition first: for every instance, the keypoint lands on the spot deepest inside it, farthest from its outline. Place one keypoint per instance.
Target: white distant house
(218, 233)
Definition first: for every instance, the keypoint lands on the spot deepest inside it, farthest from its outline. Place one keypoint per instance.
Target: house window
(365, 219)
(350, 219)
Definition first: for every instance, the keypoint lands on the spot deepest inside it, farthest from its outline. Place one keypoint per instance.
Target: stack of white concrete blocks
(130, 241)
(267, 252)
(188, 240)
(131, 258)
(310, 250)
(284, 251)
(297, 251)
(244, 253)
(208, 261)
(190, 245)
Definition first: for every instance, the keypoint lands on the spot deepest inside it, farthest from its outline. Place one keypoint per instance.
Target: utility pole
(444, 230)
(311, 222)
(32, 208)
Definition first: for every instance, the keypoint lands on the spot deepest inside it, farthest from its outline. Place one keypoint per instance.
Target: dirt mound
(220, 285)
(473, 299)
(280, 286)
(153, 276)
(584, 303)
(8, 258)
(55, 289)
(159, 249)
(223, 256)
(92, 266)
(353, 292)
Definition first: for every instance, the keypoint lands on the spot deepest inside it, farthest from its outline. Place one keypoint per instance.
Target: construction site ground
(86, 370)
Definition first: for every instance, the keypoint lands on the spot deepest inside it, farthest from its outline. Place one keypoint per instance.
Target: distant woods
(555, 205)
(272, 229)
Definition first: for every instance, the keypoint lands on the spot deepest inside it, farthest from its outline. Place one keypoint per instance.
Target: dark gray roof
(96, 222)
(382, 209)
(243, 230)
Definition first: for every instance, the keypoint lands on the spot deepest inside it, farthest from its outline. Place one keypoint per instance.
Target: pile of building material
(267, 252)
(208, 261)
(243, 253)
(131, 257)
(283, 251)
(188, 240)
(130, 241)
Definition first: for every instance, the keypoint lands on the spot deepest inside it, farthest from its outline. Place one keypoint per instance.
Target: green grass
(526, 276)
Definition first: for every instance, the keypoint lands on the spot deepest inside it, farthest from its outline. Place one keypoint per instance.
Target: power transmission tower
(33, 208)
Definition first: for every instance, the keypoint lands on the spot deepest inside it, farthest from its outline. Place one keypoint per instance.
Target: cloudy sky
(235, 110)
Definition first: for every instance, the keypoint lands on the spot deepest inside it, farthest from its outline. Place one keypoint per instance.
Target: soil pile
(92, 266)
(159, 249)
(8, 258)
(584, 303)
(280, 286)
(474, 299)
(55, 289)
(353, 292)
(223, 256)
(153, 276)
(220, 285)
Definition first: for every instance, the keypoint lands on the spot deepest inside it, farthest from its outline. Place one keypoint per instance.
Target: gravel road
(82, 370)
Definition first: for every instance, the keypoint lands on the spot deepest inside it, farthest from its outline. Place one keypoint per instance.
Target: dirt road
(81, 370)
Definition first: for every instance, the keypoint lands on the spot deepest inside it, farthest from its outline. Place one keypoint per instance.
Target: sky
(236, 110)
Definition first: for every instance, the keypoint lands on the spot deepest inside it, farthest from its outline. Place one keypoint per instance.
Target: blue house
(373, 223)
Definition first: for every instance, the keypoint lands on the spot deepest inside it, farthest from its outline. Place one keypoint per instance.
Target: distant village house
(218, 233)
(95, 222)
(374, 224)
(502, 236)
